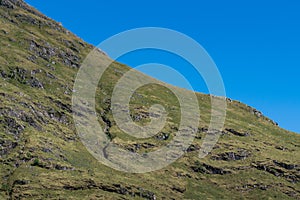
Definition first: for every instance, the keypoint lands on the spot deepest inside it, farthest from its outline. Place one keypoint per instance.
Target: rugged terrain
(41, 156)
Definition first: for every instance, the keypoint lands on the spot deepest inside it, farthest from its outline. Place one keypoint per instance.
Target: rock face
(234, 132)
(233, 156)
(208, 169)
(42, 156)
(280, 169)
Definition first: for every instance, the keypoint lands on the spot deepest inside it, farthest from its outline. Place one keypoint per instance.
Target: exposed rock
(23, 76)
(28, 19)
(285, 165)
(232, 156)
(7, 4)
(229, 100)
(234, 132)
(207, 131)
(11, 125)
(18, 74)
(179, 189)
(113, 188)
(202, 130)
(257, 113)
(278, 170)
(58, 103)
(6, 146)
(162, 136)
(137, 147)
(270, 169)
(183, 175)
(193, 147)
(32, 58)
(69, 59)
(273, 122)
(36, 71)
(49, 75)
(139, 116)
(4, 31)
(21, 115)
(46, 150)
(34, 82)
(28, 119)
(142, 114)
(281, 148)
(20, 182)
(3, 74)
(147, 145)
(208, 169)
(37, 131)
(45, 51)
(145, 194)
(12, 4)
(63, 168)
(58, 116)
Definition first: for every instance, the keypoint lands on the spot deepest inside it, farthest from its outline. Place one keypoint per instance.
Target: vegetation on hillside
(42, 157)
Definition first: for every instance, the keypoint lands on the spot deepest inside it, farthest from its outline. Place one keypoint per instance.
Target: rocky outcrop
(6, 146)
(113, 188)
(193, 147)
(162, 136)
(241, 154)
(285, 165)
(46, 51)
(280, 169)
(139, 146)
(42, 156)
(140, 114)
(23, 76)
(208, 169)
(8, 3)
(11, 126)
(237, 133)
(40, 20)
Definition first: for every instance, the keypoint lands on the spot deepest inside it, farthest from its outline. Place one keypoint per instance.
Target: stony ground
(41, 156)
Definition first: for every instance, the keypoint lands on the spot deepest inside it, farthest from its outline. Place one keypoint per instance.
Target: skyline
(255, 45)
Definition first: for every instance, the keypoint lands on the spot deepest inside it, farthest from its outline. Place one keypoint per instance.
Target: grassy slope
(41, 156)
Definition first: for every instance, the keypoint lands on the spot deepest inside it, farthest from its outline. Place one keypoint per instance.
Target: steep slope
(42, 157)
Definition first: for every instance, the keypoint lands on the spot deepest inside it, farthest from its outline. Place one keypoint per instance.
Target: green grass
(53, 144)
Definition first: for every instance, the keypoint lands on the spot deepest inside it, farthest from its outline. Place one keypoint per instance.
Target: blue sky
(255, 44)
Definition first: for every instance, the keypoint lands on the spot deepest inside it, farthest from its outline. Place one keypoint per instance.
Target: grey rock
(237, 133)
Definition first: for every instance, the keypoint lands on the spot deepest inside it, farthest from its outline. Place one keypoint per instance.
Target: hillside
(42, 157)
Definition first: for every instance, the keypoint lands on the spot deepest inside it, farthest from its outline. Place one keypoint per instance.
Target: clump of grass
(5, 187)
(36, 162)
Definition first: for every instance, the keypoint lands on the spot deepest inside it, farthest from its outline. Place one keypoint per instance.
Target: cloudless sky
(255, 44)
